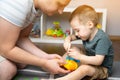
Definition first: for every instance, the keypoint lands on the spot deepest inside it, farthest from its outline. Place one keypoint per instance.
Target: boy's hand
(75, 53)
(67, 45)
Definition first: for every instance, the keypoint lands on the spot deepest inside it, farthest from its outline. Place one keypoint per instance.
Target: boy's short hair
(85, 13)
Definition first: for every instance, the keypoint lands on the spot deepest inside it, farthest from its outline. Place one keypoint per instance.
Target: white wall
(113, 12)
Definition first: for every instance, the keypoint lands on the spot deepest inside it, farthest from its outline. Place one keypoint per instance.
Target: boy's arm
(70, 38)
(67, 41)
(93, 60)
(84, 59)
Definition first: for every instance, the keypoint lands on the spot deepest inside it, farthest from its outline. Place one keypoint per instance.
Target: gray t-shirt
(101, 45)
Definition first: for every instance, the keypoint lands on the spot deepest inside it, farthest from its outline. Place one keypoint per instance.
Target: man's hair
(85, 13)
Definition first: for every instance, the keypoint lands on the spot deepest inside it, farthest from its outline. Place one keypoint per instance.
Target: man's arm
(9, 35)
(25, 43)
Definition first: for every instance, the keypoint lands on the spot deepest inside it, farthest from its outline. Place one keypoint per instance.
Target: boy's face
(51, 7)
(82, 31)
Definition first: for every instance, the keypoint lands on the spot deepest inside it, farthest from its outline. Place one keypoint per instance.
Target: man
(16, 19)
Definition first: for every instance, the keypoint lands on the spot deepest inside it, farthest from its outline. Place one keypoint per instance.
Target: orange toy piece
(71, 65)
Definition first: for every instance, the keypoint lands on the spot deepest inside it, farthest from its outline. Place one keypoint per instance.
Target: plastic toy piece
(56, 31)
(71, 63)
(70, 58)
(49, 32)
(56, 25)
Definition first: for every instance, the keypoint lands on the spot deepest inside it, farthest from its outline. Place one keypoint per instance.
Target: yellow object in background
(99, 26)
(71, 65)
(49, 32)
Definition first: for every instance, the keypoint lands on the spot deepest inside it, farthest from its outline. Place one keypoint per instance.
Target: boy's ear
(90, 24)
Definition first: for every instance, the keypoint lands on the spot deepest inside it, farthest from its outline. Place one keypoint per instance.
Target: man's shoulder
(15, 11)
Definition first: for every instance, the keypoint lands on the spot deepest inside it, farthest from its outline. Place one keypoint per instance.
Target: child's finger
(69, 45)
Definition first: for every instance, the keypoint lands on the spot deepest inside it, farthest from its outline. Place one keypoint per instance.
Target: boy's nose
(76, 33)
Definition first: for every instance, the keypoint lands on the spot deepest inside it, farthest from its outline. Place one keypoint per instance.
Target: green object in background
(36, 78)
(56, 22)
(17, 77)
(56, 31)
(20, 77)
(26, 79)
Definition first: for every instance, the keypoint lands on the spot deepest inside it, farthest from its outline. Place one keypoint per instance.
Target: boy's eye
(76, 30)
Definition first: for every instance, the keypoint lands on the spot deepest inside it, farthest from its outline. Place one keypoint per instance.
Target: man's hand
(54, 56)
(53, 66)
